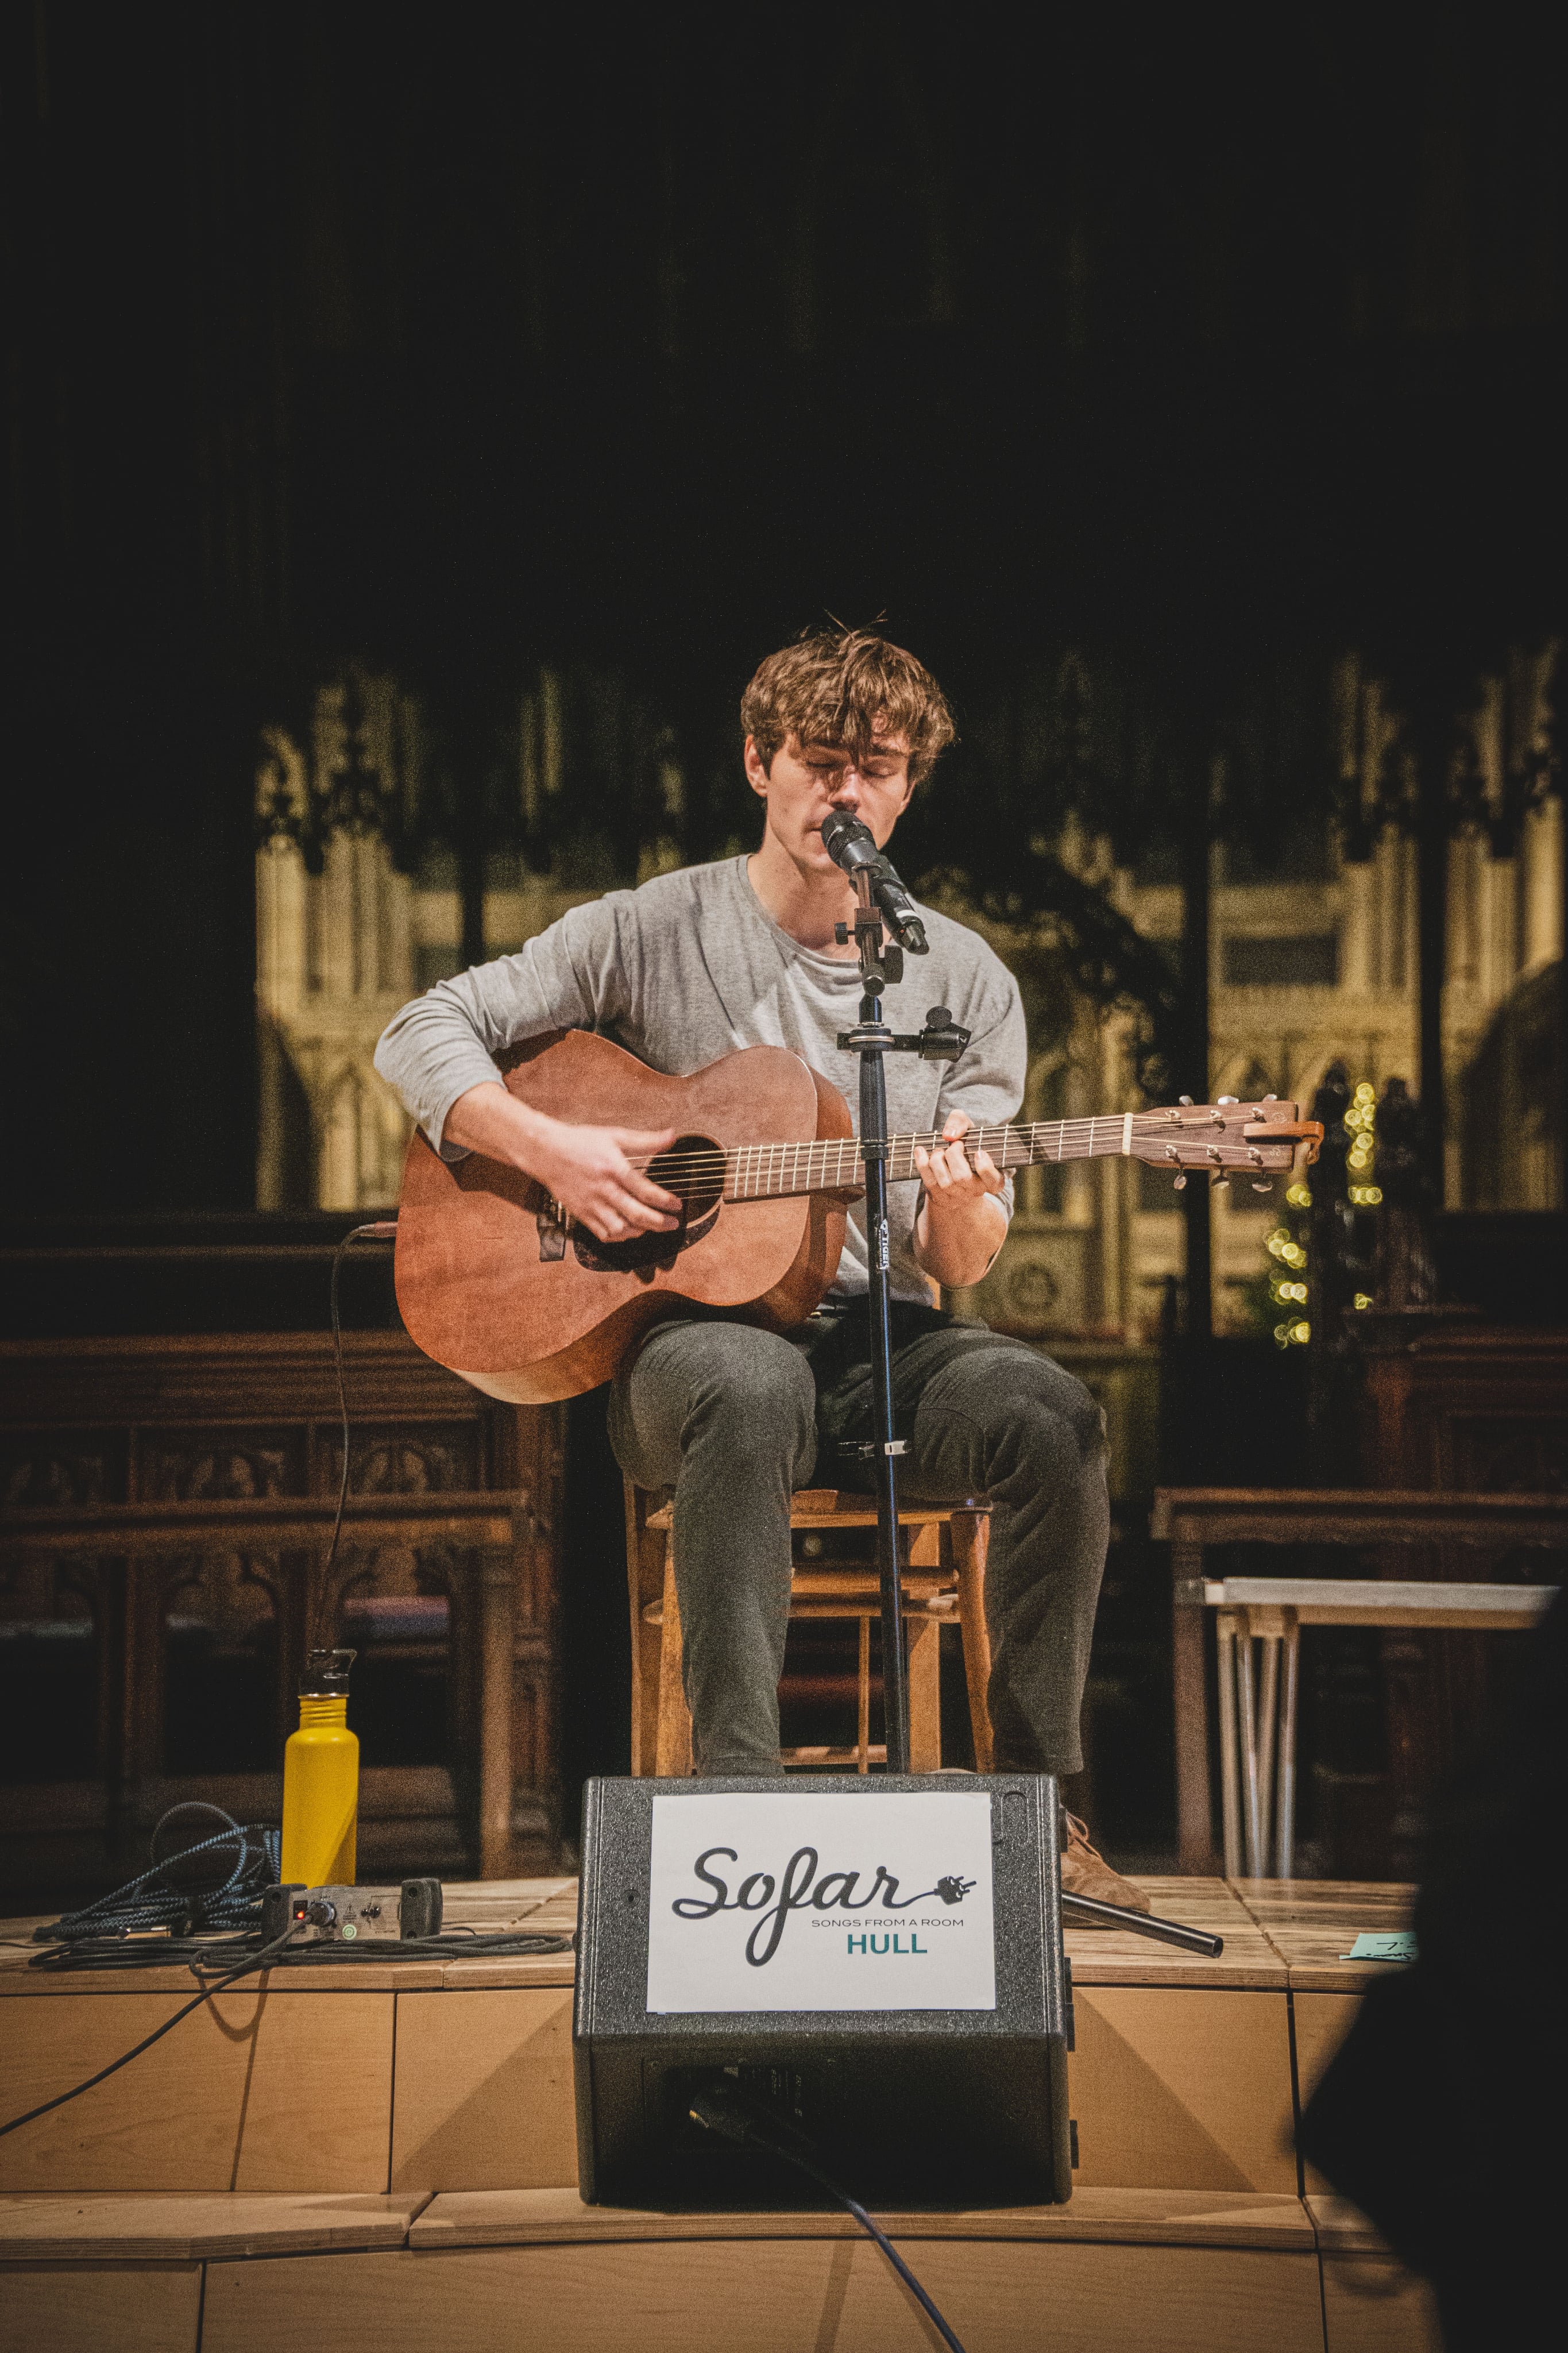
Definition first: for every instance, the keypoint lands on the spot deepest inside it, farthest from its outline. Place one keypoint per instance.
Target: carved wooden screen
(127, 1684)
(1473, 1408)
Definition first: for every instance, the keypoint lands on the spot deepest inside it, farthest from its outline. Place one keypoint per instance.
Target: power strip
(347, 1915)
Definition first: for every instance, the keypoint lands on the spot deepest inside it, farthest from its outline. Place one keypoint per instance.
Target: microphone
(853, 846)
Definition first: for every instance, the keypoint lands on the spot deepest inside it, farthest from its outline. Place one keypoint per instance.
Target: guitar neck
(754, 1172)
(1256, 1139)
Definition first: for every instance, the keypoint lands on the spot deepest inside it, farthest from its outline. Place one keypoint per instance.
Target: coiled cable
(168, 1896)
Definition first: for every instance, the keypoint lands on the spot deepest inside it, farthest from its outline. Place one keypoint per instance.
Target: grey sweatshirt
(693, 967)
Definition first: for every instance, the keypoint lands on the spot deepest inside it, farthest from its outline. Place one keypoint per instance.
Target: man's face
(807, 780)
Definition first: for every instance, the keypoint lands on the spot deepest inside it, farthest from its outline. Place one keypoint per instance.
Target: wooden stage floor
(398, 2140)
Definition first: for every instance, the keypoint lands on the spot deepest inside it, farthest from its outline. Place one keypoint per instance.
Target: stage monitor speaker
(875, 1963)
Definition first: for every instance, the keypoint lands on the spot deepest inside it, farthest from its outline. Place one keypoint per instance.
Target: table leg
(863, 1722)
(1247, 1708)
(1285, 1847)
(1267, 1710)
(1229, 1780)
(1194, 1816)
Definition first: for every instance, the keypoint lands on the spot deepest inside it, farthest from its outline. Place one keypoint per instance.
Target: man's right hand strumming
(586, 1169)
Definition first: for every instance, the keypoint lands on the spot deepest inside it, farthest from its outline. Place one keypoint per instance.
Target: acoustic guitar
(496, 1283)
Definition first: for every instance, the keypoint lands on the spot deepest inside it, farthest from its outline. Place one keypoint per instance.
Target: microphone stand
(871, 1038)
(881, 963)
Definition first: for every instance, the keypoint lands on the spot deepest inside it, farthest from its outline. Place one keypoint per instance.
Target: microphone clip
(942, 1040)
(852, 846)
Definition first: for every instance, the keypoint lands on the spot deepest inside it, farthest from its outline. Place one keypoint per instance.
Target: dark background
(455, 346)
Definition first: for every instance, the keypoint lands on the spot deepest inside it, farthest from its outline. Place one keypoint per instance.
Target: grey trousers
(735, 1420)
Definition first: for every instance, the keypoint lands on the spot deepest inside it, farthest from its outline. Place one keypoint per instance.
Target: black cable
(252, 1961)
(721, 2110)
(141, 1952)
(383, 1230)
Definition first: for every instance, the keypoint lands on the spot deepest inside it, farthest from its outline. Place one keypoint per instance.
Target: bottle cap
(326, 1674)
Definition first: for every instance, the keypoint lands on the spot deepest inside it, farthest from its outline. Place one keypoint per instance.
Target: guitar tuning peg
(1179, 1181)
(1220, 1181)
(1261, 1188)
(1186, 1099)
(1224, 1098)
(1270, 1098)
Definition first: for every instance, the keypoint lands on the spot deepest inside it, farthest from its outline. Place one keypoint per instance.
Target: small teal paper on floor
(1372, 1944)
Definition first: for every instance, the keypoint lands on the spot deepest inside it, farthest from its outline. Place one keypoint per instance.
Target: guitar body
(492, 1285)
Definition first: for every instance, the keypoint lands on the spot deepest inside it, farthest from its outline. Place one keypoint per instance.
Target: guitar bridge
(552, 1225)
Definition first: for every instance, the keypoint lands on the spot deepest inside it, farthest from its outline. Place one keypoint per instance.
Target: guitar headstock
(1225, 1139)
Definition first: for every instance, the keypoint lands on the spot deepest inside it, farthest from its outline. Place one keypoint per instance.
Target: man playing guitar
(696, 965)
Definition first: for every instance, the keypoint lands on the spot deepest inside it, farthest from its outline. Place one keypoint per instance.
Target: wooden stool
(943, 1582)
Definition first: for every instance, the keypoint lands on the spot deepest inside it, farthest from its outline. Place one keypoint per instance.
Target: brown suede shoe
(1085, 1872)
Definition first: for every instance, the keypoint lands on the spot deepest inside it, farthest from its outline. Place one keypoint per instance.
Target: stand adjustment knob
(942, 1040)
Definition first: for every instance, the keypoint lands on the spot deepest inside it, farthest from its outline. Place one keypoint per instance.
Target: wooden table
(1258, 1706)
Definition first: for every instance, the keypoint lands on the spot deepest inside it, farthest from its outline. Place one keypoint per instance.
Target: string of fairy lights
(1288, 1288)
(1360, 1120)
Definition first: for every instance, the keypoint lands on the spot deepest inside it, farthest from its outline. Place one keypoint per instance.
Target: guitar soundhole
(692, 1168)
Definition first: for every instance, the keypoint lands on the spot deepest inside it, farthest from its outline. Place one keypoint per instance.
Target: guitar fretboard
(755, 1171)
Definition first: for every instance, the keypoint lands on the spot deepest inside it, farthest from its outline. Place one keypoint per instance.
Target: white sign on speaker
(843, 1901)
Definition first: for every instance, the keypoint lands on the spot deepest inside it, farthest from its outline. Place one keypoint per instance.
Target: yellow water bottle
(320, 1779)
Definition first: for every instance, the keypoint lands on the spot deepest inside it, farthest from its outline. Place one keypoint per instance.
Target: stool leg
(922, 1542)
(863, 1701)
(923, 1636)
(1284, 1847)
(645, 1576)
(674, 1758)
(1229, 1774)
(1268, 1722)
(971, 1535)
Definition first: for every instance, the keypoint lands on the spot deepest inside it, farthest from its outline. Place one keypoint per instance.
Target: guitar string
(764, 1163)
(758, 1168)
(1159, 1121)
(974, 1139)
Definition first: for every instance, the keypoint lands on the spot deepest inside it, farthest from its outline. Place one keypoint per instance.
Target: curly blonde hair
(843, 687)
